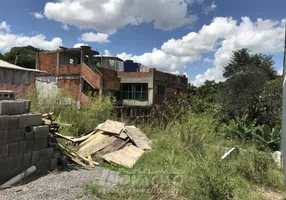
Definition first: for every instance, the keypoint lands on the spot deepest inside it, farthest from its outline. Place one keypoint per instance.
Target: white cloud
(208, 60)
(209, 8)
(280, 71)
(79, 45)
(38, 15)
(222, 36)
(4, 27)
(9, 40)
(109, 15)
(186, 74)
(262, 36)
(159, 59)
(94, 37)
(65, 27)
(175, 72)
(107, 53)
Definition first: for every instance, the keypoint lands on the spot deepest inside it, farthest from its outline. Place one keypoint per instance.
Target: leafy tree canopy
(242, 60)
(26, 56)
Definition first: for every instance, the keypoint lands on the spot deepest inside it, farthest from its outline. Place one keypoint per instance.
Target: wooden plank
(126, 157)
(64, 137)
(117, 144)
(97, 136)
(90, 161)
(77, 161)
(123, 135)
(80, 139)
(138, 137)
(95, 146)
(112, 127)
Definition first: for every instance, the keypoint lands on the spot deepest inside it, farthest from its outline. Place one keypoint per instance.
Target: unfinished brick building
(83, 70)
(150, 87)
(80, 71)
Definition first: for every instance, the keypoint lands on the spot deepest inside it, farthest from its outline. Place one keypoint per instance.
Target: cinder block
(14, 122)
(18, 160)
(3, 136)
(43, 165)
(7, 162)
(41, 131)
(27, 105)
(53, 164)
(4, 150)
(35, 157)
(41, 143)
(30, 119)
(13, 149)
(22, 146)
(30, 146)
(30, 134)
(4, 122)
(9, 173)
(12, 107)
(46, 153)
(27, 159)
(16, 135)
(7, 95)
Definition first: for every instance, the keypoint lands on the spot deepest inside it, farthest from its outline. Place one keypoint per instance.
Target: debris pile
(111, 141)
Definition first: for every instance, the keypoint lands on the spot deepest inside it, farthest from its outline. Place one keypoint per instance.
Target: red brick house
(80, 71)
(15, 78)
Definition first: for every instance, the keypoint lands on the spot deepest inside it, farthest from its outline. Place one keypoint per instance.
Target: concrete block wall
(24, 141)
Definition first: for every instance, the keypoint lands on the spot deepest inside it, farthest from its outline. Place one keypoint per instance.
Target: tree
(1, 57)
(270, 102)
(246, 75)
(242, 59)
(209, 91)
(26, 56)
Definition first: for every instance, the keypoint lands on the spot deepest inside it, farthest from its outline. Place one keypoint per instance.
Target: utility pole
(283, 136)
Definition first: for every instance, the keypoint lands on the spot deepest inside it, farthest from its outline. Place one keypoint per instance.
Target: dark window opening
(14, 76)
(87, 89)
(160, 90)
(135, 91)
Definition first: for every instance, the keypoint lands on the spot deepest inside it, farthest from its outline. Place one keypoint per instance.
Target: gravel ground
(67, 185)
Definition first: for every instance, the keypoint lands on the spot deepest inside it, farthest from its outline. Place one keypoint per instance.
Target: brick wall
(110, 79)
(90, 76)
(48, 63)
(136, 74)
(20, 89)
(24, 141)
(71, 86)
(69, 69)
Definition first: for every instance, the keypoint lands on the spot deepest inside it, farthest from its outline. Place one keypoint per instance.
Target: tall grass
(185, 161)
(98, 109)
(185, 164)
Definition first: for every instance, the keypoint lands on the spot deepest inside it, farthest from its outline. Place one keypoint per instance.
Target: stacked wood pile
(111, 141)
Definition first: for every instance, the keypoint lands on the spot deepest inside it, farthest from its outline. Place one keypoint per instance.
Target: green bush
(258, 168)
(213, 181)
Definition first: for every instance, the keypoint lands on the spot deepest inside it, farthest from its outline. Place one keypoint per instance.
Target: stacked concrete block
(7, 95)
(23, 138)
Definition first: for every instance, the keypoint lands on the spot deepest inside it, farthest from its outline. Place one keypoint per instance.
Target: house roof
(110, 57)
(4, 64)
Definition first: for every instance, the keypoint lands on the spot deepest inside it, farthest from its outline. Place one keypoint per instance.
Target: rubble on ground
(112, 141)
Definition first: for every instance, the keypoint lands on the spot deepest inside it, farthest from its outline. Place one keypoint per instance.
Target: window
(14, 76)
(160, 90)
(135, 91)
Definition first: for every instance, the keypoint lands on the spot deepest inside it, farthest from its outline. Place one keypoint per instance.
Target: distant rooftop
(4, 64)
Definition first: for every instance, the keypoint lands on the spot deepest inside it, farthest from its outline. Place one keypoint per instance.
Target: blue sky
(183, 36)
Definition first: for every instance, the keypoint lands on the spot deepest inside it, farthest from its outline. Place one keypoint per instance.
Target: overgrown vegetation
(65, 110)
(190, 135)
